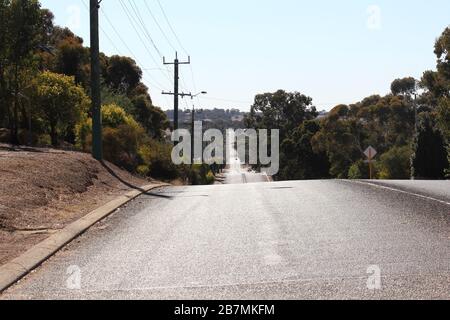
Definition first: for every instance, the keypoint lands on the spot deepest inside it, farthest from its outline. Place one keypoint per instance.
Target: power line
(172, 46)
(144, 27)
(131, 19)
(103, 31)
(154, 83)
(159, 26)
(159, 85)
(179, 43)
(171, 28)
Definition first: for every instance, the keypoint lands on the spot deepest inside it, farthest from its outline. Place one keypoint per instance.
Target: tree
(406, 86)
(141, 90)
(443, 117)
(429, 160)
(122, 74)
(60, 101)
(395, 164)
(4, 110)
(21, 32)
(281, 110)
(341, 111)
(152, 118)
(340, 138)
(442, 51)
(71, 58)
(285, 111)
(438, 82)
(299, 160)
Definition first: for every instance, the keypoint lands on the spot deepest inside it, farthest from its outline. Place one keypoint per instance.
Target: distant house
(239, 118)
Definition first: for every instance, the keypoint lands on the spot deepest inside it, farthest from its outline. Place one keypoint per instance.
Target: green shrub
(143, 170)
(157, 154)
(210, 179)
(359, 170)
(83, 134)
(114, 116)
(395, 164)
(122, 137)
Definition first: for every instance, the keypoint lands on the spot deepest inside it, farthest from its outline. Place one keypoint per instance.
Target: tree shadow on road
(144, 192)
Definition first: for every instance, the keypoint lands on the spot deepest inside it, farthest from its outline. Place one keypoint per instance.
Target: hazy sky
(334, 51)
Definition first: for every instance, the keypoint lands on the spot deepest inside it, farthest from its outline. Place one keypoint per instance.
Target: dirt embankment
(43, 190)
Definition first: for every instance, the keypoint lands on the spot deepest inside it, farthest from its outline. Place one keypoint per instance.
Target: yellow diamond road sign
(370, 153)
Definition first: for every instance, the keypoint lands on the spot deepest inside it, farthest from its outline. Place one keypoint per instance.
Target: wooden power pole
(97, 149)
(176, 93)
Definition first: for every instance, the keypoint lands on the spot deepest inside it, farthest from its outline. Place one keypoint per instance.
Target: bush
(143, 170)
(200, 174)
(359, 170)
(157, 155)
(120, 146)
(114, 116)
(210, 179)
(395, 164)
(122, 137)
(83, 134)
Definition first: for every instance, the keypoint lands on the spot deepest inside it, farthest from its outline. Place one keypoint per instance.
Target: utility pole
(176, 93)
(192, 135)
(415, 114)
(97, 149)
(193, 124)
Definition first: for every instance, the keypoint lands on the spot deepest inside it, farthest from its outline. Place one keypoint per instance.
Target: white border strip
(400, 191)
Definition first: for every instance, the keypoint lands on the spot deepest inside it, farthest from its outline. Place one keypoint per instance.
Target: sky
(333, 51)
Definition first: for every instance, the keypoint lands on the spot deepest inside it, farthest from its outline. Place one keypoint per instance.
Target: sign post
(370, 153)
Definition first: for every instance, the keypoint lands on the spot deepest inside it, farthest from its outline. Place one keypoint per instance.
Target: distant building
(237, 118)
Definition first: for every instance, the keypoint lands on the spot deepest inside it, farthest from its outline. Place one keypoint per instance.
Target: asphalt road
(286, 240)
(236, 173)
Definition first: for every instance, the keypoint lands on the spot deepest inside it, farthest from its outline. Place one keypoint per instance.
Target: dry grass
(42, 190)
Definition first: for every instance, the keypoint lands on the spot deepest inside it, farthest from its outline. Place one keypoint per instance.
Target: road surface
(236, 172)
(285, 240)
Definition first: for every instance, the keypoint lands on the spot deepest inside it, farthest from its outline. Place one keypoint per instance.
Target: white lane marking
(401, 191)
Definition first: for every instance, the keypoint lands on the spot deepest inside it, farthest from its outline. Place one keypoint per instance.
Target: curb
(19, 267)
